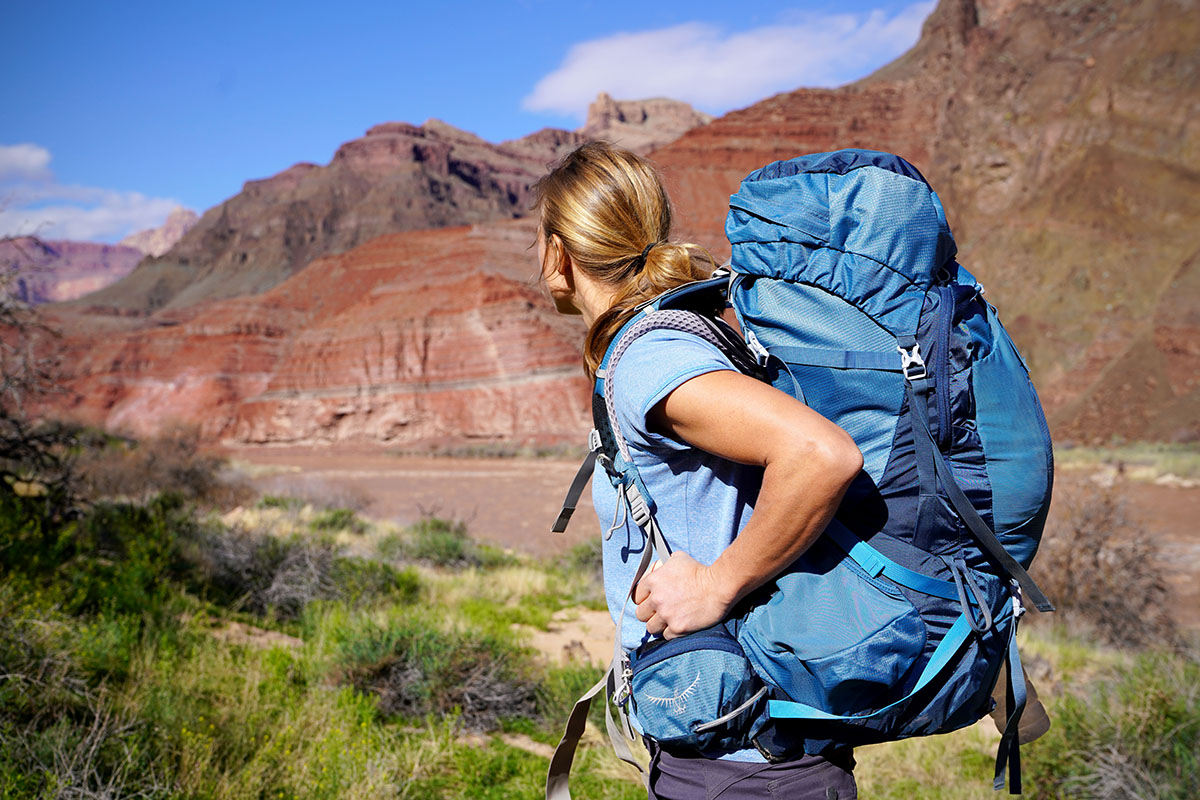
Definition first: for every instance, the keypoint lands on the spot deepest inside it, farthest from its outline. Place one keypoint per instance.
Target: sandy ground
(508, 502)
(512, 502)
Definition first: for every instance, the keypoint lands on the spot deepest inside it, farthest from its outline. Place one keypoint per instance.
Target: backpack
(898, 620)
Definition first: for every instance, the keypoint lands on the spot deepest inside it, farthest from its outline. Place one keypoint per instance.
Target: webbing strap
(559, 774)
(943, 656)
(969, 515)
(571, 501)
(838, 359)
(1009, 752)
(876, 564)
(557, 786)
(923, 447)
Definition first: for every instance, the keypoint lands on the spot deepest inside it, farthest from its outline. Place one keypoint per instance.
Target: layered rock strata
(397, 177)
(640, 125)
(421, 337)
(156, 241)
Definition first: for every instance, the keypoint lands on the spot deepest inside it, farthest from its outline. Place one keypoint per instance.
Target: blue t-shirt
(702, 501)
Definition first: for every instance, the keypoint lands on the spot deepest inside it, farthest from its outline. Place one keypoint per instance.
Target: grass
(404, 672)
(405, 680)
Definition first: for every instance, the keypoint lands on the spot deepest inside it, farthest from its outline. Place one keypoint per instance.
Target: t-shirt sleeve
(649, 370)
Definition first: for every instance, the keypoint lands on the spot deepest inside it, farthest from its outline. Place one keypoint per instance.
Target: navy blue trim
(839, 162)
(710, 639)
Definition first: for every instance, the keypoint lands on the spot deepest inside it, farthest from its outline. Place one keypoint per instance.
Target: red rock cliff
(415, 337)
(1063, 140)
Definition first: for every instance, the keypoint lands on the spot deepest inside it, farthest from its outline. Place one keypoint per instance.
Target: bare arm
(808, 463)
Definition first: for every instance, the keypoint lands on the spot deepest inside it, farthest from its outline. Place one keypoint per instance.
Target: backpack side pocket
(679, 685)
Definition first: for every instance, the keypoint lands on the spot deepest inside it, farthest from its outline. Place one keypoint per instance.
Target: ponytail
(609, 208)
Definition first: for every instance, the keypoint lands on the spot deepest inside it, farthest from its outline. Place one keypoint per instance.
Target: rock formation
(48, 271)
(1061, 136)
(156, 241)
(640, 125)
(397, 177)
(1062, 139)
(421, 337)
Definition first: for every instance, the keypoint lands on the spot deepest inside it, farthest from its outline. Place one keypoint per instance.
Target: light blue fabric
(703, 501)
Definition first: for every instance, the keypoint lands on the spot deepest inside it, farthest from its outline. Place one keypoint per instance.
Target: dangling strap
(1008, 755)
(571, 501)
(924, 442)
(559, 775)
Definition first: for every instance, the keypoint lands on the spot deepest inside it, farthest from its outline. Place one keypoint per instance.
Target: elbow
(831, 458)
(837, 457)
(844, 459)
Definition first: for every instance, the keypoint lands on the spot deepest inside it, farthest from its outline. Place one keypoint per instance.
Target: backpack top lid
(840, 217)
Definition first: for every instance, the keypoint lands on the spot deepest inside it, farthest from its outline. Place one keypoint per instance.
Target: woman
(744, 476)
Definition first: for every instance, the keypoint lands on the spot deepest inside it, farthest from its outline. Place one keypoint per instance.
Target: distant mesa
(48, 271)
(156, 241)
(640, 125)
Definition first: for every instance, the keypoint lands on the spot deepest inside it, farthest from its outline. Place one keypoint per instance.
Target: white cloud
(24, 162)
(32, 202)
(716, 70)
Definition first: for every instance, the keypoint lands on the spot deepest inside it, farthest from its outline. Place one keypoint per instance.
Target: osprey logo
(679, 702)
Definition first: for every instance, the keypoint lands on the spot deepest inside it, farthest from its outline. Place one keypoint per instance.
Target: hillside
(421, 337)
(47, 271)
(1062, 137)
(1064, 140)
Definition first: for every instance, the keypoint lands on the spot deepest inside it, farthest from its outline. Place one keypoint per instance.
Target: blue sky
(116, 112)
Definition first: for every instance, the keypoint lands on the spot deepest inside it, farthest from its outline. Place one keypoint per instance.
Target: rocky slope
(421, 337)
(156, 241)
(1064, 140)
(48, 271)
(1062, 136)
(397, 177)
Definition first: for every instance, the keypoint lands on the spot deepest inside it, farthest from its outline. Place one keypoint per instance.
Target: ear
(559, 259)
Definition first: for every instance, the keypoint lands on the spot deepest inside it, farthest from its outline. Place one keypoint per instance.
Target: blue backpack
(898, 620)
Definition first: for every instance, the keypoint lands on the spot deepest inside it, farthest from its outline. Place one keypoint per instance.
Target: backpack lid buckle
(911, 362)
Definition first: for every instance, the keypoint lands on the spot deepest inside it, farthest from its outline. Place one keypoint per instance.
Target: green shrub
(440, 541)
(1134, 733)
(414, 668)
(338, 519)
(283, 502)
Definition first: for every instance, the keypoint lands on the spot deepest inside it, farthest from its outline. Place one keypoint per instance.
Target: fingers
(656, 626)
(642, 590)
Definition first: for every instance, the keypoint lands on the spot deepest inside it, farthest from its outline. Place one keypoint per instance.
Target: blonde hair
(607, 205)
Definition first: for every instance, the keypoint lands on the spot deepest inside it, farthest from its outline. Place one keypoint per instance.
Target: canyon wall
(426, 337)
(1064, 141)
(1063, 138)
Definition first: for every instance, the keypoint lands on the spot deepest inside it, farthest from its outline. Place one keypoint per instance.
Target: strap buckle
(639, 510)
(761, 354)
(594, 443)
(911, 362)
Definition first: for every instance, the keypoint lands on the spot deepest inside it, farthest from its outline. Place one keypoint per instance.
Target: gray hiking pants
(674, 777)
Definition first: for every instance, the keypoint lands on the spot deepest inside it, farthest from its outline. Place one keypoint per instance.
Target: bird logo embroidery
(679, 702)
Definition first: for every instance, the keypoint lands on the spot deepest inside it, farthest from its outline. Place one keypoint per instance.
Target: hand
(678, 597)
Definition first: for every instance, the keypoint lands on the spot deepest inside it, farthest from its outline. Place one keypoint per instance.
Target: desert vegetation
(164, 632)
(155, 642)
